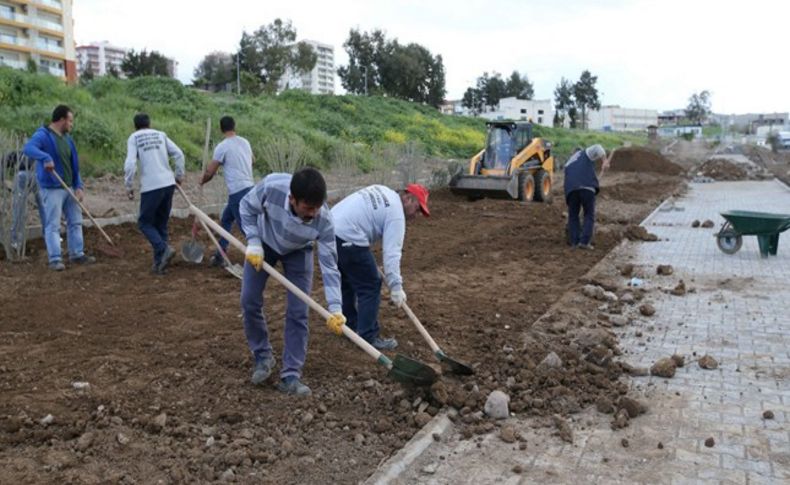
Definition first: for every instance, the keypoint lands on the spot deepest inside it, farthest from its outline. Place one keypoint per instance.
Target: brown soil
(720, 169)
(640, 159)
(478, 275)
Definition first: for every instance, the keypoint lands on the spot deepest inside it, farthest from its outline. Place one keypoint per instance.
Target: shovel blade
(412, 372)
(236, 270)
(111, 251)
(455, 366)
(192, 252)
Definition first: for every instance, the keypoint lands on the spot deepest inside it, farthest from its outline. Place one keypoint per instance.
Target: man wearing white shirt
(234, 155)
(153, 150)
(375, 213)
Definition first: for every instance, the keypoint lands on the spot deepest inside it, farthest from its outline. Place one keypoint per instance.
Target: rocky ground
(109, 373)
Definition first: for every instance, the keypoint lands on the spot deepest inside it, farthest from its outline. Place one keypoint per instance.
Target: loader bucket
(477, 186)
(412, 372)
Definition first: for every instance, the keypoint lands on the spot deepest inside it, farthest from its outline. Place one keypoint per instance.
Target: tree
(473, 99)
(32, 66)
(215, 71)
(87, 75)
(586, 95)
(271, 52)
(144, 63)
(113, 71)
(382, 66)
(564, 104)
(698, 108)
(519, 86)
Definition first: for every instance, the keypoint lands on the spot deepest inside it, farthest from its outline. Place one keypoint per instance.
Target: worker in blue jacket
(54, 150)
(581, 187)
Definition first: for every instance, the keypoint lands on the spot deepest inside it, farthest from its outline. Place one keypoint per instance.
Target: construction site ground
(706, 424)
(167, 368)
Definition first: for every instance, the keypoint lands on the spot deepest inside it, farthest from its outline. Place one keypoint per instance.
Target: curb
(398, 463)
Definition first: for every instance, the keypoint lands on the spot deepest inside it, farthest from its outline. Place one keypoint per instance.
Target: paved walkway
(737, 312)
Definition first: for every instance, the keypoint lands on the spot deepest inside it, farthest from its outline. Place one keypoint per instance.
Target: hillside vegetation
(324, 130)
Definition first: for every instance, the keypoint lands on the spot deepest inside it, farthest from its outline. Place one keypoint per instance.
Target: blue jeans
(58, 202)
(298, 268)
(154, 214)
(361, 287)
(230, 214)
(25, 184)
(581, 199)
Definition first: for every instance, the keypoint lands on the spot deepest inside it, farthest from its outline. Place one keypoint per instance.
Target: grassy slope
(105, 108)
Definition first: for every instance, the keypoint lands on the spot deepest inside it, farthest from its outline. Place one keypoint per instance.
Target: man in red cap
(375, 213)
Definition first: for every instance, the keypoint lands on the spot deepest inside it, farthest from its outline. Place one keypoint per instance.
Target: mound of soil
(640, 159)
(721, 169)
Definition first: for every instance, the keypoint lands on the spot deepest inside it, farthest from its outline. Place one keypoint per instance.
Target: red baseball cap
(421, 193)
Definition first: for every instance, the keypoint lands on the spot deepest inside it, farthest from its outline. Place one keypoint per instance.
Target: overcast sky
(646, 54)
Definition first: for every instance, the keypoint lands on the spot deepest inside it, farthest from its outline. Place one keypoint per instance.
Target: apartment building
(41, 31)
(616, 118)
(100, 58)
(539, 111)
(321, 79)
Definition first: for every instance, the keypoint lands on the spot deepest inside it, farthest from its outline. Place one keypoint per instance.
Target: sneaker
(384, 343)
(588, 247)
(293, 386)
(217, 261)
(57, 266)
(168, 256)
(262, 370)
(84, 259)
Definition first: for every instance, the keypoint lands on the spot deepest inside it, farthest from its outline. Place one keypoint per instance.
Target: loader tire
(543, 187)
(526, 187)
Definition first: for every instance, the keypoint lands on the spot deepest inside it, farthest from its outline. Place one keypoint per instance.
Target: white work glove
(254, 255)
(398, 297)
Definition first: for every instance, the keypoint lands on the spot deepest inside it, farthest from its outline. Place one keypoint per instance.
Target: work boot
(57, 266)
(384, 343)
(84, 259)
(168, 256)
(262, 370)
(217, 261)
(293, 386)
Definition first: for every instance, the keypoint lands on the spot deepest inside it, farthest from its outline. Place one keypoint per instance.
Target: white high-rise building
(101, 57)
(615, 118)
(321, 79)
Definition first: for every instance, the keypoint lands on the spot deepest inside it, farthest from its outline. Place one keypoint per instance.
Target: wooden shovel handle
(84, 209)
(350, 334)
(414, 319)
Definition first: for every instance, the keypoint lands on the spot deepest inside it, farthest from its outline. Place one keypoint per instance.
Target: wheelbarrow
(766, 226)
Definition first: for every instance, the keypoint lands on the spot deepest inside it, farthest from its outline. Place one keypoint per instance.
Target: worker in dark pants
(581, 187)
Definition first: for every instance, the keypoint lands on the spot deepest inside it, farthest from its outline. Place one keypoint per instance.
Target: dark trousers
(154, 213)
(361, 287)
(578, 200)
(298, 268)
(230, 215)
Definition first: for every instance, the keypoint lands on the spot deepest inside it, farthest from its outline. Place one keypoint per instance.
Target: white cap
(595, 152)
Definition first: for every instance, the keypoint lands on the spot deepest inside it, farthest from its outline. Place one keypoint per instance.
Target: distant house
(616, 118)
(539, 111)
(674, 131)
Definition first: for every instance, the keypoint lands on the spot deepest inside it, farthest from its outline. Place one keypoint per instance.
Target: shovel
(192, 250)
(403, 369)
(455, 366)
(112, 250)
(231, 268)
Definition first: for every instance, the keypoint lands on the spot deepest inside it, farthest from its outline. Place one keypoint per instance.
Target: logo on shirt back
(377, 197)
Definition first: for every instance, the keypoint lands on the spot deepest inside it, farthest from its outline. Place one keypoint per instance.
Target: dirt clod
(768, 414)
(604, 405)
(563, 428)
(660, 445)
(508, 434)
(647, 309)
(679, 360)
(632, 406)
(639, 233)
(695, 224)
(664, 269)
(710, 442)
(421, 419)
(707, 224)
(663, 368)
(679, 289)
(518, 469)
(708, 362)
(620, 419)
(627, 270)
(624, 443)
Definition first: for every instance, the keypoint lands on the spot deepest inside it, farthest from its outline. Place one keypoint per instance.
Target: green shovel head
(412, 372)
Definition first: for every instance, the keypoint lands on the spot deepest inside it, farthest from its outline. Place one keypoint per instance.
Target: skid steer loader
(512, 165)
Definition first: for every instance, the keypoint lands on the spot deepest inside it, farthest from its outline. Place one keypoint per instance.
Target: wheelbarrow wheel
(729, 241)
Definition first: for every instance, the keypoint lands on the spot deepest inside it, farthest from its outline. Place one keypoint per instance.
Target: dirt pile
(640, 159)
(721, 169)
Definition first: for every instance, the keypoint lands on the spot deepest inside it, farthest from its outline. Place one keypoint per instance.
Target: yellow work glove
(335, 323)
(254, 256)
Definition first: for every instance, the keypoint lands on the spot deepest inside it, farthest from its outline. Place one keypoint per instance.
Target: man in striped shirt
(281, 217)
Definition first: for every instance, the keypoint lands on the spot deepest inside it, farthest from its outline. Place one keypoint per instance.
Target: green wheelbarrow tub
(765, 225)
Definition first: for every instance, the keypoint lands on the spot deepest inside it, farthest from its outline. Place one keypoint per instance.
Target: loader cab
(503, 142)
